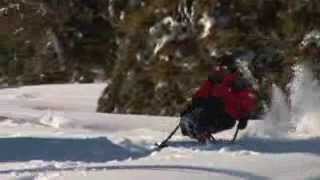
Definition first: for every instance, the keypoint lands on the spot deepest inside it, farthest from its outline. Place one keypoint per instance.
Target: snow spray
(305, 101)
(276, 122)
(300, 115)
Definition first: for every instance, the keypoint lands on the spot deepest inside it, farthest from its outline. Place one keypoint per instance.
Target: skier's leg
(204, 122)
(204, 119)
(189, 122)
(223, 122)
(210, 116)
(215, 119)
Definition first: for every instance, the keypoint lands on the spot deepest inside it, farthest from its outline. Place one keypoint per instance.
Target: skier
(222, 99)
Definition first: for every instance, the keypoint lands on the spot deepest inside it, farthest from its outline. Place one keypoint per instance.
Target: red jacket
(209, 89)
(238, 104)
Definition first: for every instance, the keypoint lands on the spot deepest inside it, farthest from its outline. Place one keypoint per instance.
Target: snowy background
(53, 132)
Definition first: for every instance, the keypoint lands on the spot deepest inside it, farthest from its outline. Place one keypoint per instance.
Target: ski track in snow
(52, 132)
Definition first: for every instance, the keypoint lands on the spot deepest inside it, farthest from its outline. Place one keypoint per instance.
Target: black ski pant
(212, 118)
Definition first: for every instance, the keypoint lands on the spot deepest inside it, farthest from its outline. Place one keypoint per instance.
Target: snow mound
(310, 124)
(53, 120)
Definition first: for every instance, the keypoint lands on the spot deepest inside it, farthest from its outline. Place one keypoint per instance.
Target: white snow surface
(52, 132)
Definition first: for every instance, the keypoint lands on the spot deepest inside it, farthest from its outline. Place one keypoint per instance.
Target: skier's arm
(248, 104)
(201, 94)
(203, 91)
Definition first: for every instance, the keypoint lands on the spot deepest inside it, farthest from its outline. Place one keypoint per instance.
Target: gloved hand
(243, 123)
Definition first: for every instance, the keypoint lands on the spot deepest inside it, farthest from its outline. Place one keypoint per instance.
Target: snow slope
(51, 132)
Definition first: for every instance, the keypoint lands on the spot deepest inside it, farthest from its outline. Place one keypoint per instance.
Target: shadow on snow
(55, 149)
(103, 150)
(90, 150)
(260, 145)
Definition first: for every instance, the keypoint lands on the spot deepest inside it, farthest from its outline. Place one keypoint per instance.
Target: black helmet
(229, 61)
(217, 74)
